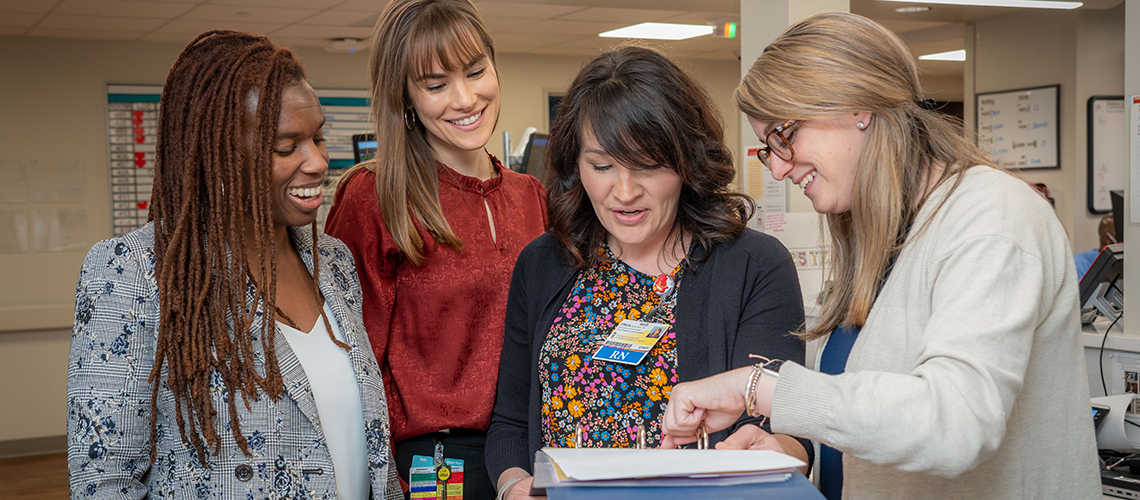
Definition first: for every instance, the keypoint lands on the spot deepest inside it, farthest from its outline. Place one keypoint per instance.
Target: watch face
(774, 365)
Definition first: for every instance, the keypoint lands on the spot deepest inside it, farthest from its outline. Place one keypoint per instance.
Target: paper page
(590, 464)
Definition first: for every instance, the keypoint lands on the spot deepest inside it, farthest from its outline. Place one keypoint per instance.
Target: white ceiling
(567, 27)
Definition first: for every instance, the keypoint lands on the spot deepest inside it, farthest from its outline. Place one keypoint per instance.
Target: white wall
(52, 97)
(1083, 51)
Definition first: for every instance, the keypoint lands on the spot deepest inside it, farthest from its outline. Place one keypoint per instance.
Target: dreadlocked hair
(212, 212)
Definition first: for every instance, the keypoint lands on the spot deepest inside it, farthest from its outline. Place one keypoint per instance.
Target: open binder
(631, 467)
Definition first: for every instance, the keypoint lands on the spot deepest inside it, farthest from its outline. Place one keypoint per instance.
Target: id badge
(630, 342)
(429, 482)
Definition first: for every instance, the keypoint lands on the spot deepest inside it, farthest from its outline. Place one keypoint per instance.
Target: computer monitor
(1102, 286)
(534, 156)
(1117, 198)
(363, 147)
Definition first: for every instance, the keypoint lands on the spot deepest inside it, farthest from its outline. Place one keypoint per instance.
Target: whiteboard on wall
(1021, 128)
(1106, 150)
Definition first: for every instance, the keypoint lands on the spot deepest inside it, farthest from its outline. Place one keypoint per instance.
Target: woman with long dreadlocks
(219, 351)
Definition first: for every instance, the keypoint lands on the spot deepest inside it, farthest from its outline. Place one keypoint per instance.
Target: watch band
(772, 368)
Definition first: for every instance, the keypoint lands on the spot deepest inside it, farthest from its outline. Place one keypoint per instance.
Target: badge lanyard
(631, 340)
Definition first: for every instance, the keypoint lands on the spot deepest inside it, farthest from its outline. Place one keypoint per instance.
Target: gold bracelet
(750, 390)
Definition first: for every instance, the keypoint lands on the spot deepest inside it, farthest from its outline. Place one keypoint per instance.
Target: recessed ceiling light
(660, 31)
(953, 55)
(911, 10)
(1032, 4)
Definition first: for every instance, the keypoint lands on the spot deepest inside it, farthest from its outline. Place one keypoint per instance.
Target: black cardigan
(744, 298)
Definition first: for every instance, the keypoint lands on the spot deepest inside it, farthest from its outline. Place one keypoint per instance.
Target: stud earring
(861, 125)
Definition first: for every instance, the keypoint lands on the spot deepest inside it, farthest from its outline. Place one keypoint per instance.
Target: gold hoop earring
(411, 124)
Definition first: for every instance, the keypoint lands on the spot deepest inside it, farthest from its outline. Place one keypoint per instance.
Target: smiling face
(826, 158)
(458, 108)
(300, 158)
(636, 206)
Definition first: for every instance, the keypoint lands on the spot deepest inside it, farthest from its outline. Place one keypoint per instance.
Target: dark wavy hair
(646, 113)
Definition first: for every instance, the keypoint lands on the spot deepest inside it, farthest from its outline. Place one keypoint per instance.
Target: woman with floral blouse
(645, 235)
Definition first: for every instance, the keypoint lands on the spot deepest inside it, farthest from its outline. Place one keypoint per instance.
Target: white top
(968, 379)
(337, 396)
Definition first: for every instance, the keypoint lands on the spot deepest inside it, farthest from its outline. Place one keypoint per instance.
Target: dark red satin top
(437, 328)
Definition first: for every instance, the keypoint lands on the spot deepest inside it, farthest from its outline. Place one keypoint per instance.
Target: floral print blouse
(609, 400)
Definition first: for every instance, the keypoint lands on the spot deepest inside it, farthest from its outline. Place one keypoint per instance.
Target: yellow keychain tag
(630, 342)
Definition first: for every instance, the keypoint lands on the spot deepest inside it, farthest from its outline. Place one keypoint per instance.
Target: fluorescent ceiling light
(953, 55)
(1032, 4)
(660, 31)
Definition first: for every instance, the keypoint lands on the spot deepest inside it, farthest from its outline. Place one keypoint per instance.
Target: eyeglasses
(780, 146)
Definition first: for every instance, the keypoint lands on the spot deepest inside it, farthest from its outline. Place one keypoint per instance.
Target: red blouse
(437, 328)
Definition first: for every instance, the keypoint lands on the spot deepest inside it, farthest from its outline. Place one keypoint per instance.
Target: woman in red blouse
(435, 224)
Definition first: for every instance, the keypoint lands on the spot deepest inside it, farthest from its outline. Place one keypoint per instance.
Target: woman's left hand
(751, 437)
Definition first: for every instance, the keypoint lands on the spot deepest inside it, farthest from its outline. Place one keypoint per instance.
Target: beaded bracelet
(750, 390)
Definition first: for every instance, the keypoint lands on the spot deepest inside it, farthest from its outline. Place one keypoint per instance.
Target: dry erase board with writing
(1021, 128)
(1106, 150)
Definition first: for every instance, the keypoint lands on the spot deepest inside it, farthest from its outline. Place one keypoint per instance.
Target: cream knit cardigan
(968, 379)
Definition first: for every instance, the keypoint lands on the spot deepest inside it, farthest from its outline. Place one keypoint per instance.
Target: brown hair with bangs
(410, 37)
(645, 112)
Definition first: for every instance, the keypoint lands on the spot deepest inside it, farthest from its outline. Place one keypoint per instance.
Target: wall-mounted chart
(1106, 150)
(1021, 128)
(132, 125)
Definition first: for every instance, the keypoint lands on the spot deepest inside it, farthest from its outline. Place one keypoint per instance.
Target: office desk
(796, 488)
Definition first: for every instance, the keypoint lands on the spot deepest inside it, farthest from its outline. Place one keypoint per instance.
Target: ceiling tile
(565, 51)
(18, 20)
(232, 13)
(356, 18)
(122, 8)
(560, 27)
(97, 24)
(194, 28)
(706, 43)
(515, 41)
(699, 17)
(299, 42)
(630, 16)
(300, 4)
(323, 32)
(595, 42)
(524, 11)
(163, 35)
(36, 7)
(369, 5)
(87, 34)
(717, 55)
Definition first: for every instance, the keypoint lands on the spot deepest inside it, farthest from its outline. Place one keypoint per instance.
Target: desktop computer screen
(363, 147)
(534, 157)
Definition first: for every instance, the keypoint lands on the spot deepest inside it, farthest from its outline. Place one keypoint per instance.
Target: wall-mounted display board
(1106, 116)
(1021, 128)
(132, 122)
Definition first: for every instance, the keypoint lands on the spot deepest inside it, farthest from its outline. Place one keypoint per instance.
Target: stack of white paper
(655, 467)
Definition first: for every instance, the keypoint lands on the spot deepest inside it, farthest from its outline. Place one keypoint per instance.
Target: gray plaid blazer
(108, 397)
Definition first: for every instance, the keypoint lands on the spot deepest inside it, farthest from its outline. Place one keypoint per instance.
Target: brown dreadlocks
(211, 207)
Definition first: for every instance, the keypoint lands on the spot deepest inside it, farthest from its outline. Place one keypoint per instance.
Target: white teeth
(305, 192)
(806, 180)
(469, 120)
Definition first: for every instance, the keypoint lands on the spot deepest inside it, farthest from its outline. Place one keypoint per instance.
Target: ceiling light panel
(953, 55)
(1029, 4)
(659, 31)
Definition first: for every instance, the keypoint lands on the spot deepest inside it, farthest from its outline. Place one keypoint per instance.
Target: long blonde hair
(834, 63)
(410, 36)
